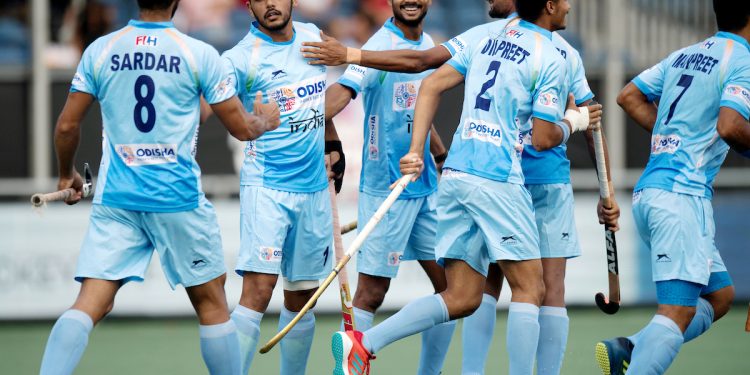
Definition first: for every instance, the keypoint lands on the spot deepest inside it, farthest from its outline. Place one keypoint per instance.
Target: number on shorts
(146, 102)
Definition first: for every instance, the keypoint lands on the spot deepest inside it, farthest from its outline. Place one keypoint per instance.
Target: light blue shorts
(482, 221)
(679, 231)
(406, 232)
(119, 244)
(284, 233)
(555, 219)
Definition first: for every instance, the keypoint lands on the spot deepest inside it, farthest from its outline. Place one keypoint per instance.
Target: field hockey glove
(338, 167)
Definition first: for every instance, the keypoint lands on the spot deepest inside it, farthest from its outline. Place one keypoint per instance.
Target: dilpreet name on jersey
(146, 61)
(508, 50)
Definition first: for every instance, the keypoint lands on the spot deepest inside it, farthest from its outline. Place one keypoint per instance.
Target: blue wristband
(565, 129)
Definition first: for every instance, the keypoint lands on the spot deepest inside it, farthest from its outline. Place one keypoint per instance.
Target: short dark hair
(530, 10)
(155, 4)
(731, 15)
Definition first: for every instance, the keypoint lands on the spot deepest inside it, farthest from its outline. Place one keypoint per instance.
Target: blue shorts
(406, 232)
(481, 220)
(679, 231)
(285, 233)
(119, 244)
(555, 219)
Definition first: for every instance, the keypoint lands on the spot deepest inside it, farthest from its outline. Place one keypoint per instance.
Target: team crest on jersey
(135, 155)
(373, 153)
(739, 92)
(548, 99)
(405, 95)
(669, 143)
(309, 93)
(394, 258)
(284, 98)
(513, 34)
(270, 254)
(146, 40)
(482, 131)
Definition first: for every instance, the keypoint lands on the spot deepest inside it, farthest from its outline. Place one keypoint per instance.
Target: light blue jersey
(691, 85)
(148, 78)
(389, 100)
(512, 74)
(290, 158)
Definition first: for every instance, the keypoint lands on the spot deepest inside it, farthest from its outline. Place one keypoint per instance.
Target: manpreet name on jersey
(145, 61)
(696, 61)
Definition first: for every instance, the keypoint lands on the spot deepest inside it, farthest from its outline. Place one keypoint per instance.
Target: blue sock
(657, 347)
(362, 319)
(248, 331)
(66, 343)
(553, 337)
(435, 343)
(221, 349)
(295, 346)
(523, 337)
(704, 317)
(476, 336)
(419, 315)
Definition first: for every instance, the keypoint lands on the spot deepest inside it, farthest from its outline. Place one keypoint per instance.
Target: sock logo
(663, 258)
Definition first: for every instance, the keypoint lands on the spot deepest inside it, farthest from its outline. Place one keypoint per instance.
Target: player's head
(554, 12)
(501, 8)
(732, 15)
(158, 5)
(273, 15)
(410, 12)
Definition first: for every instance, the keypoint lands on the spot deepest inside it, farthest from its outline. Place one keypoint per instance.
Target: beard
(281, 26)
(410, 23)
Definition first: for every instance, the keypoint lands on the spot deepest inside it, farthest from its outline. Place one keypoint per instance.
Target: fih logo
(405, 95)
(270, 254)
(394, 258)
(145, 40)
(513, 33)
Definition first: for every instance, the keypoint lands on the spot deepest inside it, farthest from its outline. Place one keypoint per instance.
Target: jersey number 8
(146, 102)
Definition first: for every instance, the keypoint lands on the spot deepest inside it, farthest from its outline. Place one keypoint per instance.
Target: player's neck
(545, 23)
(744, 32)
(156, 15)
(282, 35)
(410, 32)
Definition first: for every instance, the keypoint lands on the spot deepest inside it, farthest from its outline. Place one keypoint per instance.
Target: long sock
(704, 317)
(248, 331)
(295, 346)
(476, 336)
(220, 348)
(362, 319)
(419, 315)
(553, 337)
(66, 343)
(435, 343)
(657, 347)
(523, 337)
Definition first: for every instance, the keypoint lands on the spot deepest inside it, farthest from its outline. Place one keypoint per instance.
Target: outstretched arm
(338, 97)
(331, 52)
(734, 129)
(245, 126)
(443, 79)
(67, 138)
(638, 107)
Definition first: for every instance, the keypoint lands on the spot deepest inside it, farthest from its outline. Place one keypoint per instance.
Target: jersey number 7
(685, 81)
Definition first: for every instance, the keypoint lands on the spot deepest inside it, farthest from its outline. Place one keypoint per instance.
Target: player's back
(148, 78)
(513, 74)
(691, 85)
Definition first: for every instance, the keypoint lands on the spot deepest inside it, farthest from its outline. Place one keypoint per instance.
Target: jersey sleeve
(736, 93)
(84, 78)
(357, 77)
(651, 81)
(461, 60)
(549, 99)
(216, 84)
(458, 43)
(233, 74)
(579, 86)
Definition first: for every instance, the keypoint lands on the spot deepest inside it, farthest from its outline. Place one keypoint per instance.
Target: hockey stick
(400, 186)
(347, 310)
(612, 304)
(40, 199)
(349, 227)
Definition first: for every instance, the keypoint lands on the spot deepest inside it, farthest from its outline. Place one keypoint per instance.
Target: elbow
(724, 129)
(622, 99)
(544, 143)
(66, 128)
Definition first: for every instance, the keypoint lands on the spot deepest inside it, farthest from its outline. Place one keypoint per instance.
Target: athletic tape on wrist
(578, 119)
(353, 56)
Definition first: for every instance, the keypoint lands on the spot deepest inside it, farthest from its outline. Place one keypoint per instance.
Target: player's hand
(267, 112)
(411, 163)
(609, 216)
(595, 115)
(327, 52)
(76, 182)
(335, 163)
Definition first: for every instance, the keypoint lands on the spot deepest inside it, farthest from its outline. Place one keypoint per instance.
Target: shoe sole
(341, 349)
(602, 358)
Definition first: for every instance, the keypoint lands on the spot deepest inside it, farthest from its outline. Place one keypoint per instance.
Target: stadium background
(41, 41)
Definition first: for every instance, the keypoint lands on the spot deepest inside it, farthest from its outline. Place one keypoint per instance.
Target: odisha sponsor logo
(315, 88)
(372, 140)
(154, 152)
(482, 130)
(458, 43)
(285, 99)
(405, 95)
(270, 254)
(126, 153)
(394, 258)
(548, 99)
(665, 143)
(357, 69)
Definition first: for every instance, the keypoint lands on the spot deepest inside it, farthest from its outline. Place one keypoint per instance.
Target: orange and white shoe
(350, 356)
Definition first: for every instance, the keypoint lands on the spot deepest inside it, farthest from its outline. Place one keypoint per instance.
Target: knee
(257, 292)
(370, 298)
(554, 294)
(461, 304)
(721, 301)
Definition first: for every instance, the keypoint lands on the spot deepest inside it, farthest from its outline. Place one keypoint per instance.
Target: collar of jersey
(735, 37)
(533, 27)
(394, 29)
(256, 31)
(150, 25)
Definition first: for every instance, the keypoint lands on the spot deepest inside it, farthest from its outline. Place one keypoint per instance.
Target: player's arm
(638, 106)
(338, 97)
(547, 135)
(246, 126)
(437, 148)
(67, 138)
(331, 52)
(442, 80)
(206, 111)
(734, 129)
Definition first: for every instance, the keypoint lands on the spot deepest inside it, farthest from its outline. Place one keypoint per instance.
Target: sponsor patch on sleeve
(740, 93)
(457, 44)
(548, 99)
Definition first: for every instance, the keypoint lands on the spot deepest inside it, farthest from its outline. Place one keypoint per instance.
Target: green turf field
(171, 347)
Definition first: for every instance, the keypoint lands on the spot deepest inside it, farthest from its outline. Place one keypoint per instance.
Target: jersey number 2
(146, 102)
(484, 103)
(684, 82)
